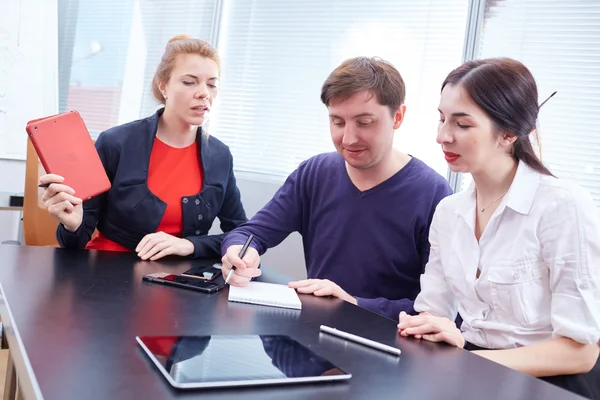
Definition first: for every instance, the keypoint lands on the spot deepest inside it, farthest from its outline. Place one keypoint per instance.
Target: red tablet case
(65, 147)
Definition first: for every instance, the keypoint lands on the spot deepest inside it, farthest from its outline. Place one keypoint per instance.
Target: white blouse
(539, 258)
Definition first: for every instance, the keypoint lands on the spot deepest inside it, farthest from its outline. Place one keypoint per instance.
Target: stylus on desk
(241, 255)
(361, 340)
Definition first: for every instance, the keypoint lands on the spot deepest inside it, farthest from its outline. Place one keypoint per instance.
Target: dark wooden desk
(71, 318)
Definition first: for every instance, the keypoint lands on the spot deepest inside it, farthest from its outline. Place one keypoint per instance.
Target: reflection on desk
(295, 360)
(218, 358)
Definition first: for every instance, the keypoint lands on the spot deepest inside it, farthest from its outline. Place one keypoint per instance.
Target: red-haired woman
(170, 179)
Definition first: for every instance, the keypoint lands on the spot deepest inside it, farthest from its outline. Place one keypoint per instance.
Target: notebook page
(268, 294)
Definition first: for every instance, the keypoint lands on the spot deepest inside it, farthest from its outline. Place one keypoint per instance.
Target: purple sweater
(373, 244)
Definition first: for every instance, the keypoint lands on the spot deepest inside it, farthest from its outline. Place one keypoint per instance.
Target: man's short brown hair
(377, 76)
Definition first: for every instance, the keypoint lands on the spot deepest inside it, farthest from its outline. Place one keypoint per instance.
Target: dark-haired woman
(517, 254)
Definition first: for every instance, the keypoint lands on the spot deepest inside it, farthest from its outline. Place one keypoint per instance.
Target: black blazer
(129, 210)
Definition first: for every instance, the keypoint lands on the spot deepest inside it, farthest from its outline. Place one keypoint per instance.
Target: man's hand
(322, 287)
(245, 269)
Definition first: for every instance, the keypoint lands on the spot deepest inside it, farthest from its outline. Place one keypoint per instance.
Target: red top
(173, 173)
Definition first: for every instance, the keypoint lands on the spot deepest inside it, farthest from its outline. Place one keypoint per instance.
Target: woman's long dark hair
(506, 91)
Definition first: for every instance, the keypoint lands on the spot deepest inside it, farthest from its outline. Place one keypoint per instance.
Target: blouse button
(516, 276)
(197, 233)
(583, 286)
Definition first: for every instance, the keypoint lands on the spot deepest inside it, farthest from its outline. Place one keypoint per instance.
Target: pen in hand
(241, 255)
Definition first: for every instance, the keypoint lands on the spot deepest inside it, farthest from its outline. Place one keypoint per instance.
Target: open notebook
(268, 294)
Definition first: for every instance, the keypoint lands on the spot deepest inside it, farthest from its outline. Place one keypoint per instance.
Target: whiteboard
(28, 69)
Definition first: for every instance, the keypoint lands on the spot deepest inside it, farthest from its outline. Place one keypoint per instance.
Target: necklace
(482, 209)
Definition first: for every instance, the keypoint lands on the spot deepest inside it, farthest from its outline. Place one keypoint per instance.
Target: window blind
(277, 54)
(559, 41)
(109, 51)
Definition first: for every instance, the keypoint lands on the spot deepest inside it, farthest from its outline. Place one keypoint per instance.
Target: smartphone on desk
(205, 272)
(185, 282)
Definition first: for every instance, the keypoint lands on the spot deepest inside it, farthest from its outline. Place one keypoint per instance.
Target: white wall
(287, 258)
(28, 69)
(28, 87)
(12, 178)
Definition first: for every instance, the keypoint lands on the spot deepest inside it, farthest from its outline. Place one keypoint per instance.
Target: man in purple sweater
(363, 212)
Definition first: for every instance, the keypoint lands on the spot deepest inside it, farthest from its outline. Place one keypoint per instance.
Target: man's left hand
(322, 287)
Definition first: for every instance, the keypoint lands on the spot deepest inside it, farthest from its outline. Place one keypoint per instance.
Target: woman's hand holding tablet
(61, 203)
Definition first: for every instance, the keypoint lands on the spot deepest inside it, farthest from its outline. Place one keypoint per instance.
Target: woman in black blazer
(170, 179)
